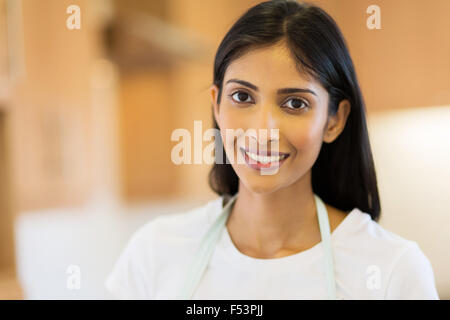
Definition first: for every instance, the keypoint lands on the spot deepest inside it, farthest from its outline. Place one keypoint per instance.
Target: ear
(336, 123)
(214, 94)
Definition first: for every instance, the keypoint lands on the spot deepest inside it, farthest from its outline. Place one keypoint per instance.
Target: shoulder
(404, 270)
(412, 276)
(367, 234)
(188, 225)
(157, 247)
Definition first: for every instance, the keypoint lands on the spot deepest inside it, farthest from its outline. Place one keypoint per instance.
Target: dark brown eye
(240, 96)
(297, 104)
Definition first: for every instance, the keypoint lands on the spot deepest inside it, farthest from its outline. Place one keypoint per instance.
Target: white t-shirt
(370, 263)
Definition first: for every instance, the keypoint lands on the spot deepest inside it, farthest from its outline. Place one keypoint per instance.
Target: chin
(256, 185)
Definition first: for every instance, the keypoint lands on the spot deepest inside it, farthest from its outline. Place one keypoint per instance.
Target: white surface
(49, 241)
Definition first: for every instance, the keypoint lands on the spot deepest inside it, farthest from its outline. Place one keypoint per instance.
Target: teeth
(264, 159)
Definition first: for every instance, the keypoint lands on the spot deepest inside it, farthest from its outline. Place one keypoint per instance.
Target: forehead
(269, 68)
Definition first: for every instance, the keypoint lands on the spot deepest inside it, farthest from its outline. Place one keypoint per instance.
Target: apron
(209, 240)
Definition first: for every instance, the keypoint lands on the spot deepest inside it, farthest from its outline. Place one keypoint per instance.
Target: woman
(283, 65)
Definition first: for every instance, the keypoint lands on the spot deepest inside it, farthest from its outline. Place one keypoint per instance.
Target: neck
(266, 223)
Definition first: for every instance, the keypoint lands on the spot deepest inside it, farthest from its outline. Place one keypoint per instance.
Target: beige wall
(146, 119)
(50, 105)
(403, 65)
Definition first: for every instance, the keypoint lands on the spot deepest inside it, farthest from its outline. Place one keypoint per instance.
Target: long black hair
(344, 172)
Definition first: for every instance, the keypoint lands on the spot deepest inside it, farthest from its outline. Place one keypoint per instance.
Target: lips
(260, 160)
(266, 153)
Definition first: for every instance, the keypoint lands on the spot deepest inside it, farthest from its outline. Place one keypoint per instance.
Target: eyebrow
(279, 91)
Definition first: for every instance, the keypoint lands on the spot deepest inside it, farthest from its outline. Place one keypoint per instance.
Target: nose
(264, 128)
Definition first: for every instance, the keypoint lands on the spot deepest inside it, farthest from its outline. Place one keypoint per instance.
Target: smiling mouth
(261, 161)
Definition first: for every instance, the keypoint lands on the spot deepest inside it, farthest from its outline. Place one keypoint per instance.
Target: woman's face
(299, 115)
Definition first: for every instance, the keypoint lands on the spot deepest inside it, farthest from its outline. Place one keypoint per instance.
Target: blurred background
(86, 117)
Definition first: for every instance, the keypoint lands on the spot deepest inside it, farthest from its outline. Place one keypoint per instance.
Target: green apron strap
(326, 243)
(204, 253)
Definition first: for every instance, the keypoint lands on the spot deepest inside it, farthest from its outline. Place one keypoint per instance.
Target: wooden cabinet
(9, 286)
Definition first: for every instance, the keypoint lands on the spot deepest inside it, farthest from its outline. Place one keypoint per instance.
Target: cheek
(306, 140)
(231, 119)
